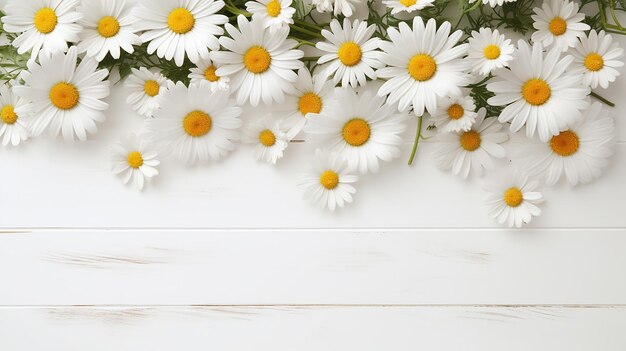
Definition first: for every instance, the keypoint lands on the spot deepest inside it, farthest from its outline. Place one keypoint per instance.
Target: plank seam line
(572, 306)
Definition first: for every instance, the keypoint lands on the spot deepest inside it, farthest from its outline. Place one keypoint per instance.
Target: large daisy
(134, 159)
(597, 58)
(268, 139)
(489, 50)
(259, 64)
(144, 88)
(513, 199)
(14, 117)
(205, 70)
(66, 99)
(273, 13)
(455, 114)
(425, 63)
(558, 23)
(538, 92)
(178, 27)
(337, 7)
(398, 6)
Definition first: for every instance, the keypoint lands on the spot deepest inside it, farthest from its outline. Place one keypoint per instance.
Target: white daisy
(260, 64)
(558, 24)
(45, 25)
(424, 64)
(351, 52)
(489, 50)
(492, 3)
(398, 6)
(269, 140)
(144, 89)
(538, 92)
(597, 58)
(108, 27)
(578, 153)
(65, 98)
(14, 117)
(337, 7)
(474, 149)
(176, 27)
(195, 123)
(329, 183)
(514, 199)
(361, 128)
(455, 114)
(274, 14)
(206, 71)
(134, 159)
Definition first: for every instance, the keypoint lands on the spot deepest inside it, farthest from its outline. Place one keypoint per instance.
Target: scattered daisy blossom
(337, 7)
(455, 114)
(489, 50)
(493, 3)
(274, 14)
(597, 58)
(205, 70)
(398, 6)
(134, 159)
(144, 88)
(558, 24)
(513, 200)
(269, 140)
(14, 117)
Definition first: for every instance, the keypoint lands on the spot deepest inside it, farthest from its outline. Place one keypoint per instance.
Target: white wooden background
(229, 257)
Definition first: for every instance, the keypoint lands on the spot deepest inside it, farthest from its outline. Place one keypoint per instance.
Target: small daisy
(178, 27)
(455, 114)
(558, 23)
(269, 139)
(473, 149)
(361, 128)
(514, 199)
(329, 183)
(425, 63)
(134, 159)
(195, 123)
(398, 6)
(538, 92)
(489, 50)
(492, 3)
(14, 117)
(274, 14)
(260, 65)
(107, 28)
(145, 87)
(45, 25)
(337, 7)
(205, 71)
(597, 58)
(66, 99)
(352, 52)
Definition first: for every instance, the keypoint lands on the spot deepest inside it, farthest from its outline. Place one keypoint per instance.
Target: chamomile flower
(206, 71)
(260, 64)
(66, 99)
(513, 199)
(398, 6)
(361, 128)
(43, 25)
(455, 114)
(330, 181)
(195, 123)
(269, 140)
(489, 50)
(351, 52)
(597, 58)
(558, 24)
(144, 88)
(492, 3)
(424, 64)
(273, 13)
(337, 7)
(14, 117)
(538, 92)
(474, 149)
(134, 159)
(178, 27)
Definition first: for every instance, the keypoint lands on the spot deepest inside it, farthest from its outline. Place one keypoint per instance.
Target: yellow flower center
(565, 144)
(408, 3)
(513, 197)
(180, 20)
(456, 111)
(350, 53)
(8, 115)
(310, 103)
(557, 26)
(267, 138)
(210, 75)
(536, 91)
(45, 20)
(108, 26)
(273, 8)
(594, 62)
(257, 59)
(491, 52)
(135, 159)
(422, 67)
(470, 140)
(329, 180)
(151, 88)
(197, 123)
(64, 96)
(356, 132)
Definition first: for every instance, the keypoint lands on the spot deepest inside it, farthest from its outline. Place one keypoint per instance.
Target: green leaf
(302, 9)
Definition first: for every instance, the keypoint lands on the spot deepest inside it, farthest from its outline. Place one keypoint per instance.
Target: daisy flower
(514, 199)
(274, 14)
(45, 25)
(473, 149)
(206, 71)
(578, 153)
(66, 99)
(558, 24)
(329, 182)
(268, 138)
(597, 58)
(144, 88)
(132, 158)
(176, 27)
(455, 114)
(195, 123)
(493, 3)
(337, 7)
(107, 28)
(408, 6)
(351, 52)
(424, 64)
(260, 65)
(489, 50)
(14, 117)
(361, 128)
(538, 92)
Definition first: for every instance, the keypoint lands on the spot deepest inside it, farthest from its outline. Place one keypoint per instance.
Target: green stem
(307, 32)
(418, 134)
(595, 95)
(304, 42)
